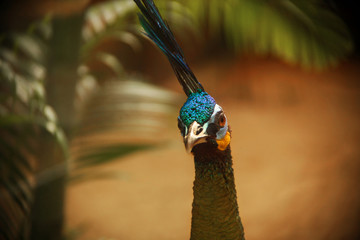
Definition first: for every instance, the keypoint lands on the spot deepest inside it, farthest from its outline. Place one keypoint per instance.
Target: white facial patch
(222, 132)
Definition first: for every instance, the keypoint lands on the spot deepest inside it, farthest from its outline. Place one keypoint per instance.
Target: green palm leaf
(24, 120)
(305, 32)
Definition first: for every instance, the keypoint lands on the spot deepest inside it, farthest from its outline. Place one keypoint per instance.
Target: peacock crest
(198, 107)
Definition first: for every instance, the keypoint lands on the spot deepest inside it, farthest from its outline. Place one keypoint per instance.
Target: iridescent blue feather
(159, 32)
(198, 107)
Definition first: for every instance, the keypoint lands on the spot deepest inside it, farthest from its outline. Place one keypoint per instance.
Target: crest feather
(159, 32)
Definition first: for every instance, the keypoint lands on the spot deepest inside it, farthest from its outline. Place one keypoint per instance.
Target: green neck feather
(215, 213)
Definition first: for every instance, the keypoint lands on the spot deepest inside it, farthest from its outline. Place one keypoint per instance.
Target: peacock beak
(196, 135)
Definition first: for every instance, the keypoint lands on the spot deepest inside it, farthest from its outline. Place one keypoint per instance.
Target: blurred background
(89, 142)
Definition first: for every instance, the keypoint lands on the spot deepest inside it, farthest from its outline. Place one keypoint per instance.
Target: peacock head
(202, 121)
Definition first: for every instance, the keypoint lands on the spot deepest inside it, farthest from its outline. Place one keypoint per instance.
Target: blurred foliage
(110, 19)
(119, 114)
(305, 32)
(121, 117)
(25, 118)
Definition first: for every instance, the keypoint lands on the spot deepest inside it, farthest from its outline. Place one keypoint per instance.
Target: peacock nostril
(198, 131)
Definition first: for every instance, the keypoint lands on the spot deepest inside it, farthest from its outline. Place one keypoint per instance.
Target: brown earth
(296, 158)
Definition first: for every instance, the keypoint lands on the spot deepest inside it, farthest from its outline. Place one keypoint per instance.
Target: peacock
(206, 134)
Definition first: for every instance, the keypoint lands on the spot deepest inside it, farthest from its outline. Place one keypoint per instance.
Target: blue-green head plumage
(199, 107)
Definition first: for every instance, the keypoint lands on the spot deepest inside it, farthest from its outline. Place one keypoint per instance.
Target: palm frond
(108, 20)
(120, 118)
(115, 23)
(24, 118)
(305, 32)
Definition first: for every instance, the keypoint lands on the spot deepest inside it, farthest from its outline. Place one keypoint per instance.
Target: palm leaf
(305, 32)
(24, 119)
(108, 20)
(122, 117)
(111, 111)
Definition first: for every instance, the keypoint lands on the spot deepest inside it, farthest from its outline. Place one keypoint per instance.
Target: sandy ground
(296, 158)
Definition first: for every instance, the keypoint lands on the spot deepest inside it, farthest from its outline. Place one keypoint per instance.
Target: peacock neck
(215, 213)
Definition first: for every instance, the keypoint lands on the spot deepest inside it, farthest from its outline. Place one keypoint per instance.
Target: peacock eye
(181, 127)
(222, 120)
